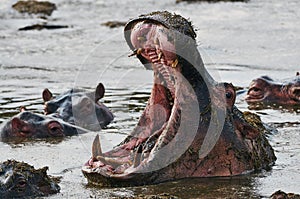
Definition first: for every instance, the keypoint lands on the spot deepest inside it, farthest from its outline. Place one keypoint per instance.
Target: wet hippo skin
(21, 180)
(264, 91)
(32, 125)
(190, 126)
(79, 107)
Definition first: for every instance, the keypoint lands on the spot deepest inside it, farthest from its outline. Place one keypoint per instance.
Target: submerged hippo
(35, 7)
(79, 107)
(190, 126)
(266, 91)
(32, 125)
(282, 195)
(21, 180)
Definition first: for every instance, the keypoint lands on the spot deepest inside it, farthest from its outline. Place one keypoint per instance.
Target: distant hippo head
(31, 125)
(79, 107)
(266, 91)
(20, 180)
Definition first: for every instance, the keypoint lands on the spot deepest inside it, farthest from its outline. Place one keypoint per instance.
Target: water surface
(238, 42)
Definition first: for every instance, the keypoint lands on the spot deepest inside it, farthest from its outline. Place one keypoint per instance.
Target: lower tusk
(136, 52)
(96, 147)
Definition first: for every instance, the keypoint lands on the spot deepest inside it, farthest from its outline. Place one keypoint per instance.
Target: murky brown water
(238, 42)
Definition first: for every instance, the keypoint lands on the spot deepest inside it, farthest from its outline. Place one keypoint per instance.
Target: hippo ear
(44, 170)
(23, 108)
(297, 74)
(100, 90)
(47, 95)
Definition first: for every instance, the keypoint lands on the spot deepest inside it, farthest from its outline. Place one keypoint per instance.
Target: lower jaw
(160, 97)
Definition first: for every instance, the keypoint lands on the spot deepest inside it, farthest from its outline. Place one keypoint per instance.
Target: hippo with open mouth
(265, 91)
(21, 180)
(79, 107)
(32, 125)
(190, 126)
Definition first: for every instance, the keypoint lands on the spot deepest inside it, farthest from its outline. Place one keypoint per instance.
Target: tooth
(175, 63)
(96, 147)
(136, 52)
(156, 41)
(139, 51)
(159, 55)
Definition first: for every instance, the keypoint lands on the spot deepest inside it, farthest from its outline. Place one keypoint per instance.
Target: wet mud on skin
(238, 42)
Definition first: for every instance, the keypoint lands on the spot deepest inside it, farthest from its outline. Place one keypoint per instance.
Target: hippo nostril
(55, 129)
(296, 93)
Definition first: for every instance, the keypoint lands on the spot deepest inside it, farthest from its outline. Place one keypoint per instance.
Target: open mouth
(156, 127)
(190, 126)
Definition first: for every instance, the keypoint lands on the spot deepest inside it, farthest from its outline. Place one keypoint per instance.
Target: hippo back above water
(264, 91)
(79, 107)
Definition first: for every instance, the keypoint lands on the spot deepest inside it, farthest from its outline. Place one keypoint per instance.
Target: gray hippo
(79, 107)
(32, 125)
(190, 126)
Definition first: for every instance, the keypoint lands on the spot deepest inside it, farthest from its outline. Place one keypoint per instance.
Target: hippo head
(32, 125)
(190, 126)
(266, 91)
(79, 107)
(20, 180)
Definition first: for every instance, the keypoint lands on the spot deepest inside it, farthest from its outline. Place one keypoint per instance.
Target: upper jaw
(134, 156)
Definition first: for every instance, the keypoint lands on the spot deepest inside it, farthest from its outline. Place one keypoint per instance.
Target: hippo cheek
(55, 129)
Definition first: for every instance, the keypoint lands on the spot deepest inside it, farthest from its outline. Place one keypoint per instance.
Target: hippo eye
(21, 182)
(228, 95)
(255, 89)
